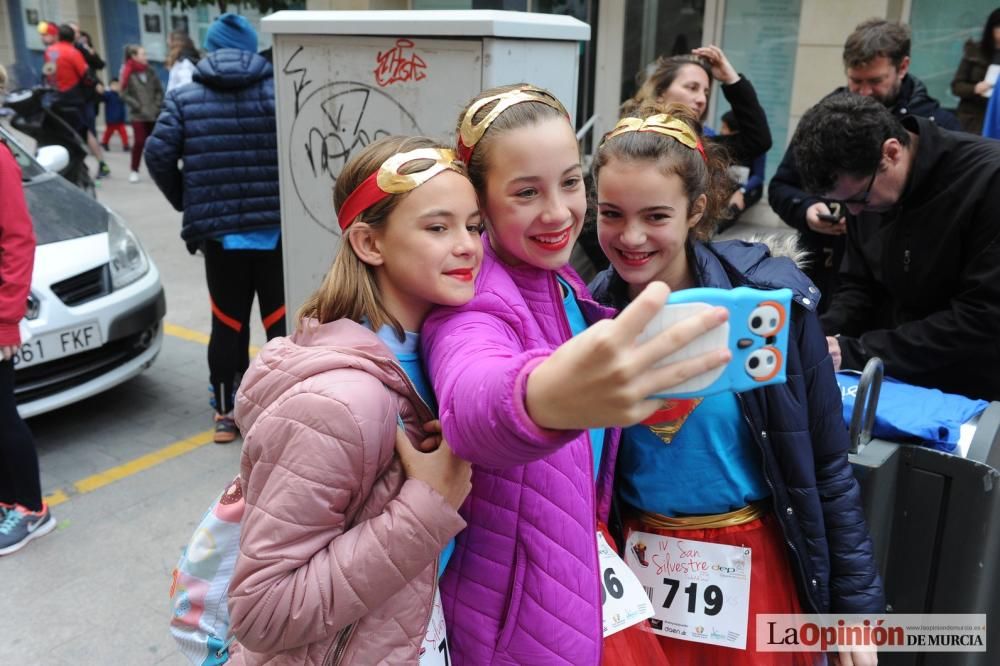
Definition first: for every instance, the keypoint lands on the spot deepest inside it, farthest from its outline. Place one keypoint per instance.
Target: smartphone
(756, 334)
(834, 216)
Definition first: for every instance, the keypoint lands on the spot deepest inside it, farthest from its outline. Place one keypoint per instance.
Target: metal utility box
(346, 78)
(935, 523)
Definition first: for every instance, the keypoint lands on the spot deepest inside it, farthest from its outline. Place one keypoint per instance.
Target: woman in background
(969, 84)
(181, 60)
(142, 93)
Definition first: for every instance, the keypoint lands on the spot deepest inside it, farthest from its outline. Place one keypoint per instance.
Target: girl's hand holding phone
(603, 377)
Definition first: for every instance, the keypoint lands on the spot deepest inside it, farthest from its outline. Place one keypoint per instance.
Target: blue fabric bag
(908, 413)
(991, 121)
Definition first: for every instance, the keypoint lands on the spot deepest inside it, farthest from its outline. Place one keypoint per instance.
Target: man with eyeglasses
(877, 62)
(920, 282)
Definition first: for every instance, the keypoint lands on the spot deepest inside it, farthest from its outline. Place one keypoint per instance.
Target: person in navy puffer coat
(222, 125)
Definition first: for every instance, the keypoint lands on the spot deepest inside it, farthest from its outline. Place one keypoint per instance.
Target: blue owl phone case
(756, 333)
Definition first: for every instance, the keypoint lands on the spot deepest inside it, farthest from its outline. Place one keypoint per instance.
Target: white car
(96, 304)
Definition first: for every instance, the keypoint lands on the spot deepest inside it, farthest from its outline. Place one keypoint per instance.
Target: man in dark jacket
(877, 62)
(920, 283)
(222, 125)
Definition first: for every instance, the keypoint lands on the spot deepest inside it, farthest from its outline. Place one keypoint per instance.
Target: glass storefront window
(760, 39)
(654, 28)
(939, 33)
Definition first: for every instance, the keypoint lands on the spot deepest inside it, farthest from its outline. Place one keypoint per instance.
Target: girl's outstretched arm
(503, 406)
(609, 376)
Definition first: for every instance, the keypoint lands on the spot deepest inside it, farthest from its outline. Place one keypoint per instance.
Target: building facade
(790, 49)
(112, 24)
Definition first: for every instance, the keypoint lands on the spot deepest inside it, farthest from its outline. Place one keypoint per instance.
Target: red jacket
(17, 249)
(69, 65)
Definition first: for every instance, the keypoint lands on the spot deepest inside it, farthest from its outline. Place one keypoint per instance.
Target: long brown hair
(349, 290)
(700, 175)
(517, 116)
(181, 47)
(664, 72)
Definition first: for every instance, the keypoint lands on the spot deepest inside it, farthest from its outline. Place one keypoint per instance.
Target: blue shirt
(407, 354)
(262, 239)
(577, 325)
(907, 413)
(704, 465)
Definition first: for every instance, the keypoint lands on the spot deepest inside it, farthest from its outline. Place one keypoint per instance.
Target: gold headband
(387, 180)
(390, 180)
(660, 123)
(469, 134)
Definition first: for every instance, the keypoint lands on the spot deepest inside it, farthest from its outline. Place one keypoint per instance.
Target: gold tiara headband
(387, 180)
(470, 133)
(660, 123)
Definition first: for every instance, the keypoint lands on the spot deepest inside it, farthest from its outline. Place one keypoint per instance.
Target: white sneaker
(133, 177)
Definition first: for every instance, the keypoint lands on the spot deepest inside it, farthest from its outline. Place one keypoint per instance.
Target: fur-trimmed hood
(781, 244)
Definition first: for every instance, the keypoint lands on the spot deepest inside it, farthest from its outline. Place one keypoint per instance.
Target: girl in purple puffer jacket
(535, 411)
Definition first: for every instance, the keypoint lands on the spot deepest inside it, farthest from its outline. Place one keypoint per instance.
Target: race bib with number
(434, 649)
(624, 601)
(700, 591)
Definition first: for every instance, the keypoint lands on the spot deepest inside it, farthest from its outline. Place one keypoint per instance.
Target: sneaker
(133, 177)
(127, 149)
(225, 428)
(4, 508)
(103, 170)
(20, 526)
(105, 146)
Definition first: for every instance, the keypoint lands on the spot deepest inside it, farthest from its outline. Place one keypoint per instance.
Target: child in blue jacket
(114, 115)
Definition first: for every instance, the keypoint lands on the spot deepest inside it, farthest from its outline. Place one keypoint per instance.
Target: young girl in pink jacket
(534, 408)
(347, 525)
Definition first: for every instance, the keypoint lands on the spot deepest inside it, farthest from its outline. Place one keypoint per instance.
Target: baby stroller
(37, 115)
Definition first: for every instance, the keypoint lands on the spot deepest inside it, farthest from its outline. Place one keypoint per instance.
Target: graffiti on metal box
(398, 64)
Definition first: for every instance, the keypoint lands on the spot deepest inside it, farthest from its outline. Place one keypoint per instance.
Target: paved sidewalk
(95, 591)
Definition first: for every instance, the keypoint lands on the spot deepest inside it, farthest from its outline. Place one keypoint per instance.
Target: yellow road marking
(195, 336)
(185, 333)
(141, 463)
(58, 497)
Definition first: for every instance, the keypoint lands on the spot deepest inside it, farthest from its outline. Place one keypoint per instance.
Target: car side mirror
(53, 158)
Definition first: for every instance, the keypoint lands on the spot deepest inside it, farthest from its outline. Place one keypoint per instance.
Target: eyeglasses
(862, 199)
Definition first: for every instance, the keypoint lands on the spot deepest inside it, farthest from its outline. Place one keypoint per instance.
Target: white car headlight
(126, 256)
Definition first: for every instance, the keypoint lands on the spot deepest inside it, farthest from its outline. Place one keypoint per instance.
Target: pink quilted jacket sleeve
(308, 464)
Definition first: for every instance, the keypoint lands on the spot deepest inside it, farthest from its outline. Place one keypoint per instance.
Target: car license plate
(58, 344)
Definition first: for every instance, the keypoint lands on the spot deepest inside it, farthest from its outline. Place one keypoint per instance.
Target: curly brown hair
(664, 72)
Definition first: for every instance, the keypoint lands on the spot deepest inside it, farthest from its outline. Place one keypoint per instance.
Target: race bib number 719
(700, 591)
